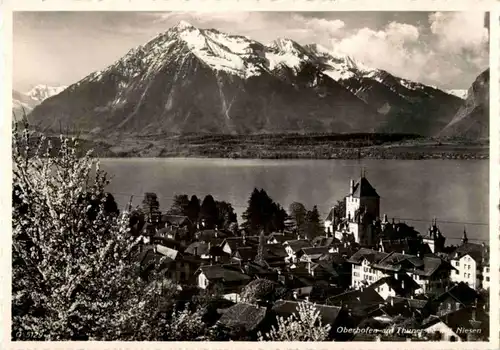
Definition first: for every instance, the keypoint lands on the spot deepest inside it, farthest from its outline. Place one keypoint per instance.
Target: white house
(431, 274)
(468, 260)
(468, 271)
(486, 277)
(364, 274)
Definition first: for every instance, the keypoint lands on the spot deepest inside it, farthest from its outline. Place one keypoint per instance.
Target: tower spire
(464, 237)
(363, 172)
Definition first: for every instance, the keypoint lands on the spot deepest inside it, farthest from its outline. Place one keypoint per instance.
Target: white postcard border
(243, 5)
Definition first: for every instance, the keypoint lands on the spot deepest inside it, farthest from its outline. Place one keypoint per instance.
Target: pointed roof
(464, 237)
(363, 188)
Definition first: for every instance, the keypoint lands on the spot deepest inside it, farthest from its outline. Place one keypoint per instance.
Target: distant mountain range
(190, 80)
(24, 102)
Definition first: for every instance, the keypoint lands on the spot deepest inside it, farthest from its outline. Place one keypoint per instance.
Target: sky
(445, 49)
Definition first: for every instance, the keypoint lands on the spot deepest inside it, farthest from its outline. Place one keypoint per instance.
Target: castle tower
(362, 208)
(362, 195)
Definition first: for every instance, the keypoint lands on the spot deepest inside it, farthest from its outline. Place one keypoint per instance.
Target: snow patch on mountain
(461, 93)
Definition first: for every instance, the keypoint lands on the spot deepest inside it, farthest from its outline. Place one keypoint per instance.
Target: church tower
(464, 237)
(434, 239)
(362, 209)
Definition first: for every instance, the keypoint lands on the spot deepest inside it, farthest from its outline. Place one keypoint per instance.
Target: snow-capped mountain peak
(24, 102)
(182, 25)
(41, 92)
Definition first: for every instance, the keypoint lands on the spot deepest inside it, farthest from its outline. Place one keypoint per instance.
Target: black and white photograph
(251, 176)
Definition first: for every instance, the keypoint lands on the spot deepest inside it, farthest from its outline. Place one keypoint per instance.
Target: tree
(339, 211)
(298, 214)
(137, 220)
(260, 249)
(151, 207)
(179, 205)
(208, 212)
(263, 213)
(278, 218)
(73, 275)
(304, 325)
(225, 215)
(313, 223)
(263, 290)
(184, 325)
(193, 209)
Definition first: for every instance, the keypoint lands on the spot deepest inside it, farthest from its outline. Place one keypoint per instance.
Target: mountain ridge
(202, 80)
(472, 119)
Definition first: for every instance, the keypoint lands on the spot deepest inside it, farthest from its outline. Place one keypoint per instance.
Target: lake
(455, 192)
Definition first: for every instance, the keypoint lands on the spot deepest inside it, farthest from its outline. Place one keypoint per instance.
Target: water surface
(451, 191)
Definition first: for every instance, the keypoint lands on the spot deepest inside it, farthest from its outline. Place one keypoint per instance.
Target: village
(371, 278)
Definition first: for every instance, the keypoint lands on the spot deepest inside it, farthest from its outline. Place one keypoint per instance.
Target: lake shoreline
(340, 147)
(377, 153)
(321, 146)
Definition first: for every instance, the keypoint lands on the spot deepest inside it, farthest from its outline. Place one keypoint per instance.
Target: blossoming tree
(74, 274)
(303, 325)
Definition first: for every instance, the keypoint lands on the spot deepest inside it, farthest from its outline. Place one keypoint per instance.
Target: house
(457, 297)
(245, 254)
(169, 262)
(181, 234)
(316, 271)
(178, 269)
(485, 283)
(419, 305)
(466, 324)
(275, 255)
(413, 246)
(199, 249)
(260, 270)
(400, 285)
(467, 260)
(176, 221)
(279, 237)
(229, 277)
(312, 254)
(316, 293)
(332, 315)
(168, 242)
(325, 241)
(396, 231)
(247, 319)
(431, 273)
(393, 309)
(214, 237)
(293, 247)
(362, 272)
(360, 302)
(149, 261)
(231, 244)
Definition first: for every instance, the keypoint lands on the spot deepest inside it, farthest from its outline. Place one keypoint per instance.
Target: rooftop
(243, 315)
(227, 273)
(286, 308)
(363, 188)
